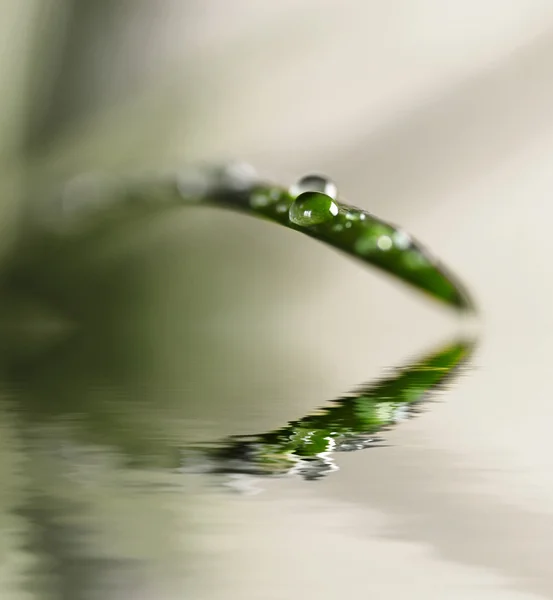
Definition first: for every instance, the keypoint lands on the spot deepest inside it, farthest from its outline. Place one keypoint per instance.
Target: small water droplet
(282, 207)
(237, 176)
(265, 196)
(402, 240)
(312, 208)
(259, 200)
(314, 183)
(384, 242)
(376, 237)
(414, 259)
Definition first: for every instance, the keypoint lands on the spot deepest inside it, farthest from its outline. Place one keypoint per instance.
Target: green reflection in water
(350, 423)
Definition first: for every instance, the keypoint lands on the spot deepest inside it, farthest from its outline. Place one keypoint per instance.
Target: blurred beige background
(436, 115)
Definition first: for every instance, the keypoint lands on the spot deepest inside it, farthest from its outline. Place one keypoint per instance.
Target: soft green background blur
(196, 325)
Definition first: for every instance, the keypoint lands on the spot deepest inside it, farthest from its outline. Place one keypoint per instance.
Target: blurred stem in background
(68, 60)
(66, 350)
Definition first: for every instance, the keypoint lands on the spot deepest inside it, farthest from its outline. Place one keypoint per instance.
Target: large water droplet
(314, 183)
(312, 208)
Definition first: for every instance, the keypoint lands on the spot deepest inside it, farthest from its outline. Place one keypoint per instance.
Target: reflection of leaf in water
(87, 390)
(349, 423)
(53, 262)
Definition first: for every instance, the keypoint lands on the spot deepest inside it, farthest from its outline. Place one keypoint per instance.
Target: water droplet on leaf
(312, 208)
(384, 242)
(260, 200)
(282, 207)
(355, 215)
(413, 259)
(402, 240)
(377, 237)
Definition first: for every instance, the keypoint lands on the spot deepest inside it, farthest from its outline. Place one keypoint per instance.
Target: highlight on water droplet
(314, 183)
(312, 208)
